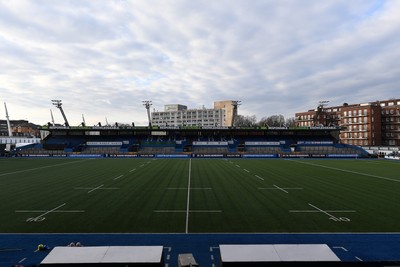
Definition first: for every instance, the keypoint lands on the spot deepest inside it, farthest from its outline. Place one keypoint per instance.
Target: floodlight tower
(8, 120)
(58, 104)
(235, 104)
(52, 118)
(147, 104)
(83, 121)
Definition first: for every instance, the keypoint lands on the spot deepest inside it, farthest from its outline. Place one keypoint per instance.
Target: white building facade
(176, 115)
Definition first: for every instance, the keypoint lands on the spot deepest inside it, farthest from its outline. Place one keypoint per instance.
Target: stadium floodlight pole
(52, 118)
(58, 104)
(147, 104)
(83, 121)
(8, 121)
(235, 104)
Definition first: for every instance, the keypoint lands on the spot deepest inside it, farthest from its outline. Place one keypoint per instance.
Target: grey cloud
(105, 57)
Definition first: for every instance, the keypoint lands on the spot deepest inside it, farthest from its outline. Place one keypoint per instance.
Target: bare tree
(246, 121)
(290, 122)
(272, 121)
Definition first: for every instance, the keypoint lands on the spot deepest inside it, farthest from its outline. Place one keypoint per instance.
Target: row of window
(355, 135)
(390, 112)
(358, 142)
(357, 112)
(355, 120)
(391, 119)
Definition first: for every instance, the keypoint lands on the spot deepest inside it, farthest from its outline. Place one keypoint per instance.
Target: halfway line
(188, 198)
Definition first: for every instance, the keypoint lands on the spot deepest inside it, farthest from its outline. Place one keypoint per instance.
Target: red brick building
(368, 124)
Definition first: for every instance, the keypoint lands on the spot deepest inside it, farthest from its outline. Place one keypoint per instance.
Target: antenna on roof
(8, 120)
(58, 104)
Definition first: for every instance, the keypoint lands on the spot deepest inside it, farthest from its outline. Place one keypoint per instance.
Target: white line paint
(44, 167)
(277, 187)
(116, 178)
(185, 211)
(186, 188)
(343, 170)
(56, 211)
(317, 211)
(237, 166)
(323, 211)
(280, 188)
(89, 188)
(342, 248)
(188, 198)
(259, 177)
(132, 170)
(47, 212)
(100, 186)
(246, 170)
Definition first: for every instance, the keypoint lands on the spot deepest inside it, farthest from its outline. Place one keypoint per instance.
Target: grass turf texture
(151, 196)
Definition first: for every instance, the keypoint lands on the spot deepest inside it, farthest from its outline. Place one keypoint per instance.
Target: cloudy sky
(103, 58)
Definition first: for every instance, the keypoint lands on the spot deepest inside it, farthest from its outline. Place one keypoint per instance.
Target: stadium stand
(193, 142)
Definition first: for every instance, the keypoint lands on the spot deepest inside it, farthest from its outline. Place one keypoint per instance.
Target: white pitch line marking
(182, 211)
(343, 170)
(56, 211)
(44, 167)
(142, 165)
(188, 198)
(343, 248)
(237, 166)
(212, 248)
(328, 213)
(259, 177)
(185, 188)
(132, 170)
(47, 212)
(116, 178)
(317, 211)
(100, 186)
(246, 170)
(358, 259)
(277, 187)
(284, 189)
(91, 188)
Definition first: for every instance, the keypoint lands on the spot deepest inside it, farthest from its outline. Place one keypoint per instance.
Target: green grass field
(50, 195)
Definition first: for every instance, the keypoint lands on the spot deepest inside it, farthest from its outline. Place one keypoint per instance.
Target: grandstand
(191, 142)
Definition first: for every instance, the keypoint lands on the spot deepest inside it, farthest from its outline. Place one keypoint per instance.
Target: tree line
(270, 121)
